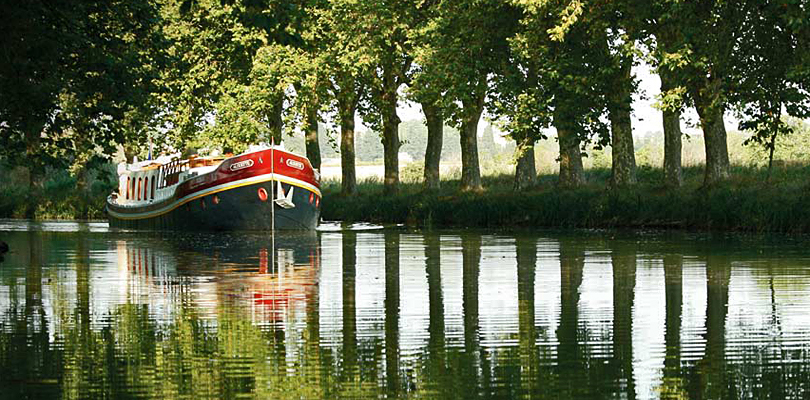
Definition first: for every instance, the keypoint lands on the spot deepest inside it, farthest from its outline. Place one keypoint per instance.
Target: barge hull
(240, 208)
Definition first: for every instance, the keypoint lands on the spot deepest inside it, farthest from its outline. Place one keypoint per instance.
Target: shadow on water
(393, 314)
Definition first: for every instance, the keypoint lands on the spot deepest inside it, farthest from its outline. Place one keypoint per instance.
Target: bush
(57, 196)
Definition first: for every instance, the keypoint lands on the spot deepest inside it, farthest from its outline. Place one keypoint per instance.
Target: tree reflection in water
(138, 316)
(672, 385)
(392, 307)
(526, 249)
(623, 260)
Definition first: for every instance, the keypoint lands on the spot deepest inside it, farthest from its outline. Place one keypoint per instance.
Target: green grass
(747, 202)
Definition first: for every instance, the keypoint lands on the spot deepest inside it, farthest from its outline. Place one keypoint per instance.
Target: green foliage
(78, 78)
(61, 196)
(227, 74)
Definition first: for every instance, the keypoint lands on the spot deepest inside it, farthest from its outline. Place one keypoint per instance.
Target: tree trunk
(672, 137)
(673, 173)
(36, 169)
(470, 169)
(570, 158)
(771, 148)
(624, 159)
(391, 145)
(710, 110)
(82, 190)
(433, 152)
(525, 171)
(347, 156)
(311, 137)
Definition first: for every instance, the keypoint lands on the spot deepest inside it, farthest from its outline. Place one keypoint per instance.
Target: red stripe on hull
(248, 165)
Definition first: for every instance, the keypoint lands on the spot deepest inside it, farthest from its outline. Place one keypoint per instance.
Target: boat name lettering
(295, 164)
(197, 182)
(241, 165)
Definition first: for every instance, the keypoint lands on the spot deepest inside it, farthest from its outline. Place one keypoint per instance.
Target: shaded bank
(746, 203)
(59, 195)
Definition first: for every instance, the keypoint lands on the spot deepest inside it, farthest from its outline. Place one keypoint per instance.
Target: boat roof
(164, 159)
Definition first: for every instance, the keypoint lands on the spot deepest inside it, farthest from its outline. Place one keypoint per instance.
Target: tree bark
(673, 173)
(672, 137)
(470, 169)
(525, 170)
(624, 159)
(433, 152)
(348, 181)
(710, 110)
(570, 158)
(390, 130)
(311, 137)
(391, 145)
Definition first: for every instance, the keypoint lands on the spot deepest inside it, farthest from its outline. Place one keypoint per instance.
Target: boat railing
(170, 173)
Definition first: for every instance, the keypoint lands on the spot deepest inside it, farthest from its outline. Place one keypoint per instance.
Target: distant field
(332, 171)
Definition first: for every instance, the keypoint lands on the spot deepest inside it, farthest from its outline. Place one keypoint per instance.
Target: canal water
(360, 312)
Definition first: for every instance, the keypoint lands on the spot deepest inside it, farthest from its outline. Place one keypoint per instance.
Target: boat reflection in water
(250, 275)
(390, 314)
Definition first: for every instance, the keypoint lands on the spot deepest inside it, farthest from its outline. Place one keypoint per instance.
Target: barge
(263, 190)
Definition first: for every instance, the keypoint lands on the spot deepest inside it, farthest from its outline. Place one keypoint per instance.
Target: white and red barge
(244, 192)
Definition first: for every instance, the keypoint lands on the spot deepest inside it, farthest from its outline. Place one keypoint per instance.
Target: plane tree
(704, 38)
(615, 47)
(229, 78)
(465, 42)
(427, 88)
(771, 72)
(523, 104)
(76, 80)
(558, 40)
(376, 32)
(342, 59)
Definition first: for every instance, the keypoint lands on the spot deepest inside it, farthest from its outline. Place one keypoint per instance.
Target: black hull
(238, 208)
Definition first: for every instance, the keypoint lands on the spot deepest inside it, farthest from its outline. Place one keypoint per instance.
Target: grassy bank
(746, 202)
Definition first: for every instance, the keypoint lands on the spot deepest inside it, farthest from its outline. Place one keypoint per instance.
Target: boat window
(132, 191)
(139, 188)
(146, 188)
(127, 196)
(153, 188)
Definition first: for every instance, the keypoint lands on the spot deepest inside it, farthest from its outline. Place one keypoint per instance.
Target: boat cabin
(141, 183)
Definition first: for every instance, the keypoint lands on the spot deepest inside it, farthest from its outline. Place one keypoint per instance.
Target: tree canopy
(79, 80)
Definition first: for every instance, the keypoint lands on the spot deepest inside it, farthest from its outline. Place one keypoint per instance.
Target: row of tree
(80, 79)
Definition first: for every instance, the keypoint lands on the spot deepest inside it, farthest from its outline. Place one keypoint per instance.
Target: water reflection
(359, 314)
(672, 385)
